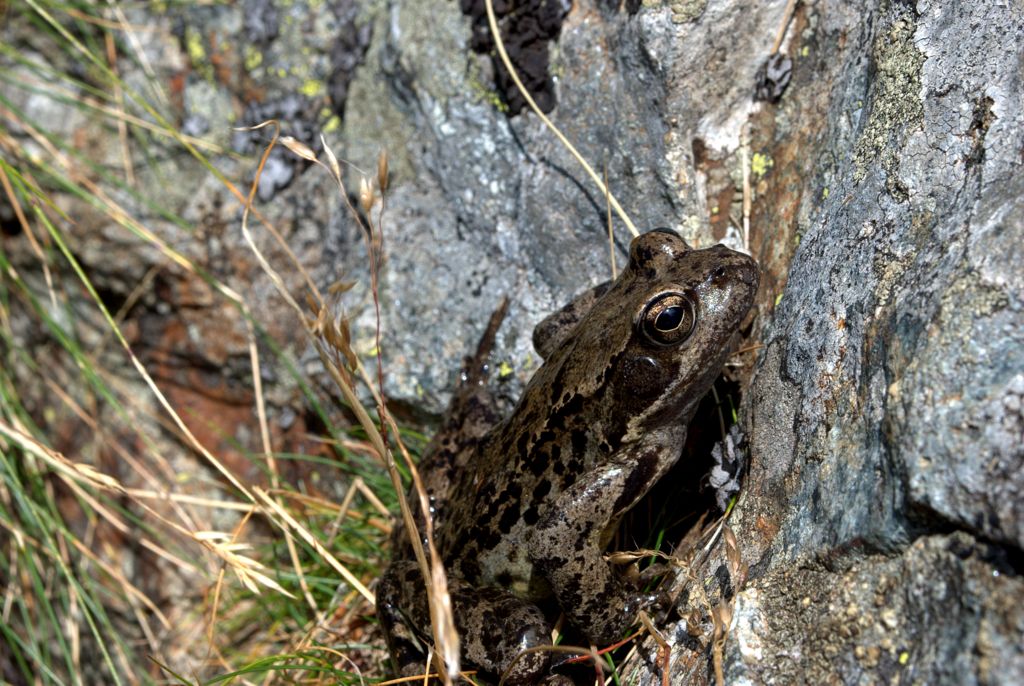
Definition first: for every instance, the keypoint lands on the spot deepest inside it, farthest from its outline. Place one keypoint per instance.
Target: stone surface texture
(881, 523)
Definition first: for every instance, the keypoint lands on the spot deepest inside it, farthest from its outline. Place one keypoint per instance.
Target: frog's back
(510, 482)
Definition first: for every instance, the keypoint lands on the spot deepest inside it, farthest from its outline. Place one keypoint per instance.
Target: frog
(523, 506)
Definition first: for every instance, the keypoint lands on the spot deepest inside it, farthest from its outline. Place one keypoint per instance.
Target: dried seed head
(339, 287)
(345, 346)
(311, 302)
(299, 148)
(382, 171)
(365, 195)
(331, 159)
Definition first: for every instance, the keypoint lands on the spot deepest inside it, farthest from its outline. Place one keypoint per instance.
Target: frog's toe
(662, 606)
(526, 668)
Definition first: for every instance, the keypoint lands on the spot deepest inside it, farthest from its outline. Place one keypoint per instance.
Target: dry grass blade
(611, 228)
(305, 535)
(193, 441)
(787, 15)
(664, 650)
(75, 474)
(110, 406)
(73, 471)
(322, 330)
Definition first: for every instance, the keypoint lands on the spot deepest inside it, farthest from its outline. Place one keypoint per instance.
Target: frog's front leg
(494, 626)
(566, 546)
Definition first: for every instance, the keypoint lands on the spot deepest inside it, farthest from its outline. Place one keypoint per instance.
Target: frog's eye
(668, 318)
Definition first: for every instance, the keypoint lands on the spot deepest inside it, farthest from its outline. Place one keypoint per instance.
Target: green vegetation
(132, 549)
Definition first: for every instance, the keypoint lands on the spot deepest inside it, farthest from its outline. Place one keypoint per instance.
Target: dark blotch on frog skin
(579, 441)
(556, 390)
(569, 409)
(531, 516)
(508, 519)
(482, 537)
(642, 256)
(639, 479)
(540, 459)
(471, 568)
(522, 447)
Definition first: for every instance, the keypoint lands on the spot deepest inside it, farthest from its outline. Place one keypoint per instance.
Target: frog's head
(685, 307)
(650, 346)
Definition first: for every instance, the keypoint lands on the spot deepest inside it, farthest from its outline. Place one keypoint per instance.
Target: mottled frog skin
(523, 507)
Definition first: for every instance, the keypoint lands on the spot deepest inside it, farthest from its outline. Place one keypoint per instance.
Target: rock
(880, 527)
(883, 421)
(882, 618)
(490, 206)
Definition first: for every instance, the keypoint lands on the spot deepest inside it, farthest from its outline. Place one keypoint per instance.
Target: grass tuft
(140, 540)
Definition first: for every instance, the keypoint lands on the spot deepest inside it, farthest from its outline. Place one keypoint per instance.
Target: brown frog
(523, 507)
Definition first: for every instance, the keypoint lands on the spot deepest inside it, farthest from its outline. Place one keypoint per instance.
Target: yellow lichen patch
(760, 163)
(333, 122)
(197, 54)
(311, 87)
(253, 58)
(487, 95)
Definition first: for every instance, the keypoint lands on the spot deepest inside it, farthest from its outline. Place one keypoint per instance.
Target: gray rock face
(897, 344)
(489, 206)
(885, 410)
(908, 617)
(881, 520)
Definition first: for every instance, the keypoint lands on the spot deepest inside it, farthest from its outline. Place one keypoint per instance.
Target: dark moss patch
(527, 26)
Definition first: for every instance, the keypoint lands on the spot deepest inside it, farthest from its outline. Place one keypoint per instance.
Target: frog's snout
(734, 266)
(748, 273)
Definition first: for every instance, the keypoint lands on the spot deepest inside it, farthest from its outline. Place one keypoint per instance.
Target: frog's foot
(606, 617)
(400, 611)
(496, 629)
